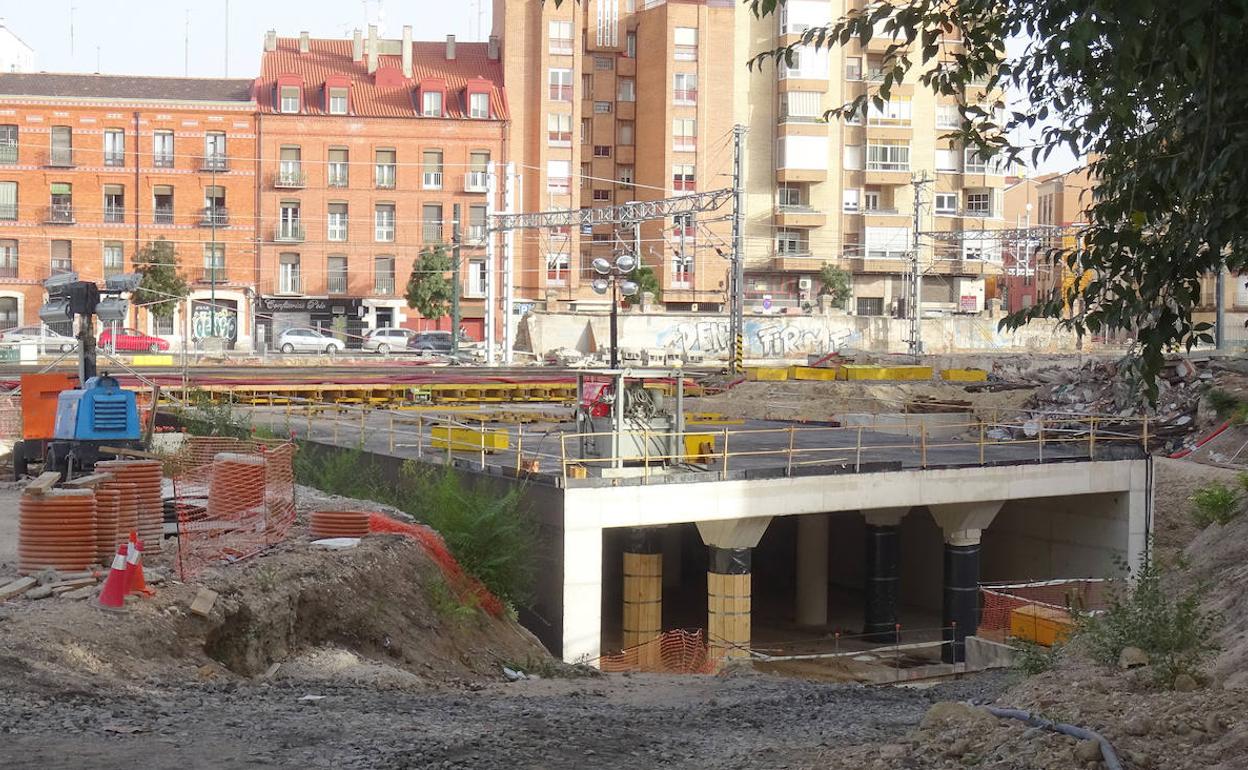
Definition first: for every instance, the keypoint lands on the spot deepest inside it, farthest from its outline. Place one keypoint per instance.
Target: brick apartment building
(93, 167)
(613, 101)
(367, 147)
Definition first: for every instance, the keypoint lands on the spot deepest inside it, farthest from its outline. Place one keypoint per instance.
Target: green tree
(161, 287)
(834, 283)
(1150, 90)
(647, 281)
(429, 289)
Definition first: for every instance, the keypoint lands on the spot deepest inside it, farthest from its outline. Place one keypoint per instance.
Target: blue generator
(100, 414)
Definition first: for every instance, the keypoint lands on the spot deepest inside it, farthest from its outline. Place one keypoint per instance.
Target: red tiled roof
(326, 58)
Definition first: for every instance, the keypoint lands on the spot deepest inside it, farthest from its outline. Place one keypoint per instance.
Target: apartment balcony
(475, 235)
(799, 216)
(215, 162)
(162, 161)
(561, 93)
(212, 275)
(476, 182)
(290, 284)
(59, 214)
(214, 216)
(114, 214)
(336, 283)
(8, 153)
(8, 212)
(290, 179)
(61, 157)
(8, 271)
(383, 285)
(114, 159)
(685, 96)
(289, 233)
(431, 180)
(162, 216)
(338, 177)
(801, 175)
(560, 46)
(384, 177)
(887, 174)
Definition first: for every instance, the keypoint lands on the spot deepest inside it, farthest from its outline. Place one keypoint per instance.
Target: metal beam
(623, 214)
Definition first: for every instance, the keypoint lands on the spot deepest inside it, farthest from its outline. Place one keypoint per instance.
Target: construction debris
(17, 587)
(203, 603)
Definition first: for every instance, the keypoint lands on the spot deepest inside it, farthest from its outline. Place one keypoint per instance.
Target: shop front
(343, 317)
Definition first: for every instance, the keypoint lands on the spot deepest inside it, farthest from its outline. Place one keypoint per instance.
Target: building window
(789, 242)
(290, 167)
(557, 265)
(684, 135)
(114, 261)
(62, 148)
(162, 149)
(431, 104)
(476, 225)
(114, 147)
(686, 39)
(946, 203)
(383, 222)
(336, 274)
(853, 68)
(337, 101)
(871, 200)
(800, 106)
(215, 212)
(789, 196)
(561, 39)
(894, 112)
(431, 223)
(559, 129)
(626, 90)
(624, 175)
(475, 286)
(479, 105)
(478, 179)
(290, 99)
(8, 258)
(683, 178)
(587, 130)
(888, 156)
(849, 201)
(8, 143)
(337, 230)
(560, 85)
(288, 277)
(602, 108)
(947, 115)
(162, 204)
(290, 222)
(114, 203)
(870, 305)
(558, 176)
(630, 45)
(685, 87)
(214, 262)
(604, 63)
(215, 158)
(62, 257)
(8, 201)
(339, 167)
(624, 133)
(383, 276)
(979, 203)
(61, 210)
(431, 168)
(946, 159)
(602, 150)
(384, 161)
(602, 195)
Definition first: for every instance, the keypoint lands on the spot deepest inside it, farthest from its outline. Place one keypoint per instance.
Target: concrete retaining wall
(787, 337)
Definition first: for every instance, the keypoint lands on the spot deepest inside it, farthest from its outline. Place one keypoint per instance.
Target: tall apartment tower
(842, 192)
(613, 101)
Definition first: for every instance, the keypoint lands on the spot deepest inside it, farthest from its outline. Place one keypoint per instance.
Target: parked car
(430, 342)
(132, 340)
(47, 338)
(305, 339)
(383, 341)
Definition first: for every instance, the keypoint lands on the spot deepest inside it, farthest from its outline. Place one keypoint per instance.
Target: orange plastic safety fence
(673, 652)
(1065, 598)
(234, 505)
(465, 585)
(10, 416)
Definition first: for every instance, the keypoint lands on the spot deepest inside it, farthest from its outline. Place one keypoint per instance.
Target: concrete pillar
(812, 569)
(728, 588)
(963, 525)
(582, 592)
(643, 593)
(671, 541)
(882, 573)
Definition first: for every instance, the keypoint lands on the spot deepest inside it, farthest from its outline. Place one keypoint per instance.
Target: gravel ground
(738, 720)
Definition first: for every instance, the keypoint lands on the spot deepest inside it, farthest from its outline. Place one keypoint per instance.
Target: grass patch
(446, 605)
(1032, 658)
(1227, 405)
(1215, 503)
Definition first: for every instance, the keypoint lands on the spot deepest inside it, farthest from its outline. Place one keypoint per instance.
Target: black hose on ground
(1107, 751)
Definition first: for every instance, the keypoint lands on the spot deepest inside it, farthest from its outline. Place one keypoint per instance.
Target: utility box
(39, 398)
(1040, 624)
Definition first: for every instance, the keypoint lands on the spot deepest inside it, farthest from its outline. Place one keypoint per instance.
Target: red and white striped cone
(134, 566)
(113, 594)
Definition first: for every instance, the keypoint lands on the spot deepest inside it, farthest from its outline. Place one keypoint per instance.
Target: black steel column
(729, 561)
(961, 599)
(642, 540)
(883, 565)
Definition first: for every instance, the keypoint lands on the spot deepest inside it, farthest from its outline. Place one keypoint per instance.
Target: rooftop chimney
(450, 48)
(357, 46)
(270, 40)
(407, 51)
(303, 42)
(491, 51)
(371, 50)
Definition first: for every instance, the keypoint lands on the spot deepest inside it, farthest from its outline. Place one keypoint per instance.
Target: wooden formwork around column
(728, 614)
(643, 604)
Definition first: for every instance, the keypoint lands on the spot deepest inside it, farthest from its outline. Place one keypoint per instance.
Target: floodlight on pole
(601, 266)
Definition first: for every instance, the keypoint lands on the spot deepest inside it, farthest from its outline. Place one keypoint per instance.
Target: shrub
(1170, 626)
(1215, 502)
(1032, 658)
(1225, 405)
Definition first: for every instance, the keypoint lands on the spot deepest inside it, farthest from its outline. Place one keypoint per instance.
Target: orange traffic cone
(134, 565)
(113, 595)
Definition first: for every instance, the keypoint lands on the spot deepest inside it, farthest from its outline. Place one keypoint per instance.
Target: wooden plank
(88, 482)
(113, 450)
(17, 587)
(46, 481)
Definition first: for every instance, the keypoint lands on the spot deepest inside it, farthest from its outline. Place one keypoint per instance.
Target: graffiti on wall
(771, 338)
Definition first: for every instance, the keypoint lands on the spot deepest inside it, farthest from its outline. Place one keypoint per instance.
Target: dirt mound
(384, 604)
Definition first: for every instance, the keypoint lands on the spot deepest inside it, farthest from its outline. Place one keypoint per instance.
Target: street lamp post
(612, 278)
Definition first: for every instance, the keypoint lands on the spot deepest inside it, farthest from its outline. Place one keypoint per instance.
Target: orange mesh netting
(464, 585)
(1066, 598)
(236, 504)
(673, 652)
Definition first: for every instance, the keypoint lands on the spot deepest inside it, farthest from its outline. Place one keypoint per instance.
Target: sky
(188, 37)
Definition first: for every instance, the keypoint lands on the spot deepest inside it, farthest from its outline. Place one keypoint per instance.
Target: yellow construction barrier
(699, 446)
(1040, 624)
(860, 372)
(711, 418)
(908, 373)
(812, 373)
(468, 439)
(766, 373)
(964, 375)
(894, 373)
(152, 360)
